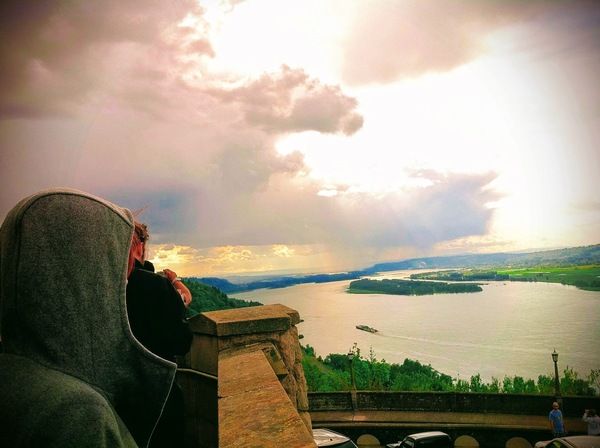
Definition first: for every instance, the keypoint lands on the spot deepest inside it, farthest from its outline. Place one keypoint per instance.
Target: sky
(310, 136)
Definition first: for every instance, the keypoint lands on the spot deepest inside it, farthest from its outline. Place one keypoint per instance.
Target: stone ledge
(254, 409)
(241, 321)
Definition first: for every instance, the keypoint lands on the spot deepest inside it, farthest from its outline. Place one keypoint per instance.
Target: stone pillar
(270, 328)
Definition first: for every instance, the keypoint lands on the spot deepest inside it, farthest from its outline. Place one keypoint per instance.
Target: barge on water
(366, 328)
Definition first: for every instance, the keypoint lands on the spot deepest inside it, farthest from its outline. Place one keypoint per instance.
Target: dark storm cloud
(454, 206)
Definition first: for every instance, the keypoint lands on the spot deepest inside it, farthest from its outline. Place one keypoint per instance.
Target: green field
(584, 276)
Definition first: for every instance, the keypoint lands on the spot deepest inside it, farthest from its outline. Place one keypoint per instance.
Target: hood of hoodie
(64, 257)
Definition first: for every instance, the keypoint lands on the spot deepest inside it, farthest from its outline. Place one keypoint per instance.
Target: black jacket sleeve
(157, 315)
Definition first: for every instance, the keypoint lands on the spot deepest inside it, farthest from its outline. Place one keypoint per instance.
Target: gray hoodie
(72, 374)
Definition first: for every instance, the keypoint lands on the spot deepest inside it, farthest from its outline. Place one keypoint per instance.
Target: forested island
(409, 287)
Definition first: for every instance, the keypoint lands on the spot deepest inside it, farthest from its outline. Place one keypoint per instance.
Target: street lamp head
(554, 356)
(350, 355)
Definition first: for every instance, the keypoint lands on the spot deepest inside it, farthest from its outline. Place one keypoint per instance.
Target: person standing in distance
(593, 422)
(557, 424)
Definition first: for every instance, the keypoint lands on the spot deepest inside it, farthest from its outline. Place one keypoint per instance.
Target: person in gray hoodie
(71, 372)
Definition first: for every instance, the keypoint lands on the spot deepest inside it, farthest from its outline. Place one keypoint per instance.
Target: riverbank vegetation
(409, 287)
(582, 276)
(333, 374)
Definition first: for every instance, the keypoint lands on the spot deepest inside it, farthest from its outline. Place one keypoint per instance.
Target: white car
(329, 438)
(428, 439)
(571, 442)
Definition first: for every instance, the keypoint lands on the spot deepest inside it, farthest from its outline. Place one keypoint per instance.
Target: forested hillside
(551, 258)
(211, 298)
(275, 281)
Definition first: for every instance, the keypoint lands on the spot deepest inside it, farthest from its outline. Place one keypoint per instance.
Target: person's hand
(184, 297)
(171, 276)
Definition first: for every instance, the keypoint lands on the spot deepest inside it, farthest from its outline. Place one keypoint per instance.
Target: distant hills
(558, 257)
(585, 255)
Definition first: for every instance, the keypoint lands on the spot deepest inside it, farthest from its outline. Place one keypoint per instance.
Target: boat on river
(366, 328)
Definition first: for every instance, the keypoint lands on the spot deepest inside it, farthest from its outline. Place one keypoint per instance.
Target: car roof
(581, 441)
(327, 437)
(424, 435)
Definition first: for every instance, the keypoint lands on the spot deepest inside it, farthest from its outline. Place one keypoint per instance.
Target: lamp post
(353, 387)
(351, 359)
(556, 379)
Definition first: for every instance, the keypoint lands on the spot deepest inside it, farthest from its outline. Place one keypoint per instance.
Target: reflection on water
(508, 329)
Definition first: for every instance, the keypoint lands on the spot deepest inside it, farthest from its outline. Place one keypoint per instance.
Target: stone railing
(243, 380)
(458, 402)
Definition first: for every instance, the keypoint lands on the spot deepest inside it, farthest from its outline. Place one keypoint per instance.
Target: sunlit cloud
(283, 251)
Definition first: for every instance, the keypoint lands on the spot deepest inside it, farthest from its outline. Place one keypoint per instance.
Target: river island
(409, 287)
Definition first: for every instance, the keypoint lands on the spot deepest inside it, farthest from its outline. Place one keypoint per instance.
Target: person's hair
(141, 231)
(141, 236)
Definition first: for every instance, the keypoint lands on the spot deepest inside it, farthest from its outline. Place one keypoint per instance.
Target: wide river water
(511, 328)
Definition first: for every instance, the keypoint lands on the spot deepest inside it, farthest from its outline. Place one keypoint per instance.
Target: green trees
(322, 378)
(571, 384)
(333, 374)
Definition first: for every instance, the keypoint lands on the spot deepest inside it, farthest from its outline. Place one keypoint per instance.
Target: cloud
(56, 56)
(580, 206)
(289, 101)
(394, 40)
(268, 228)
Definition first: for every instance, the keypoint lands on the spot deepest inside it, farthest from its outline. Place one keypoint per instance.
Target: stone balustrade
(244, 381)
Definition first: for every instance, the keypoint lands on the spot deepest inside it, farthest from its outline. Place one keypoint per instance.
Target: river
(508, 329)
